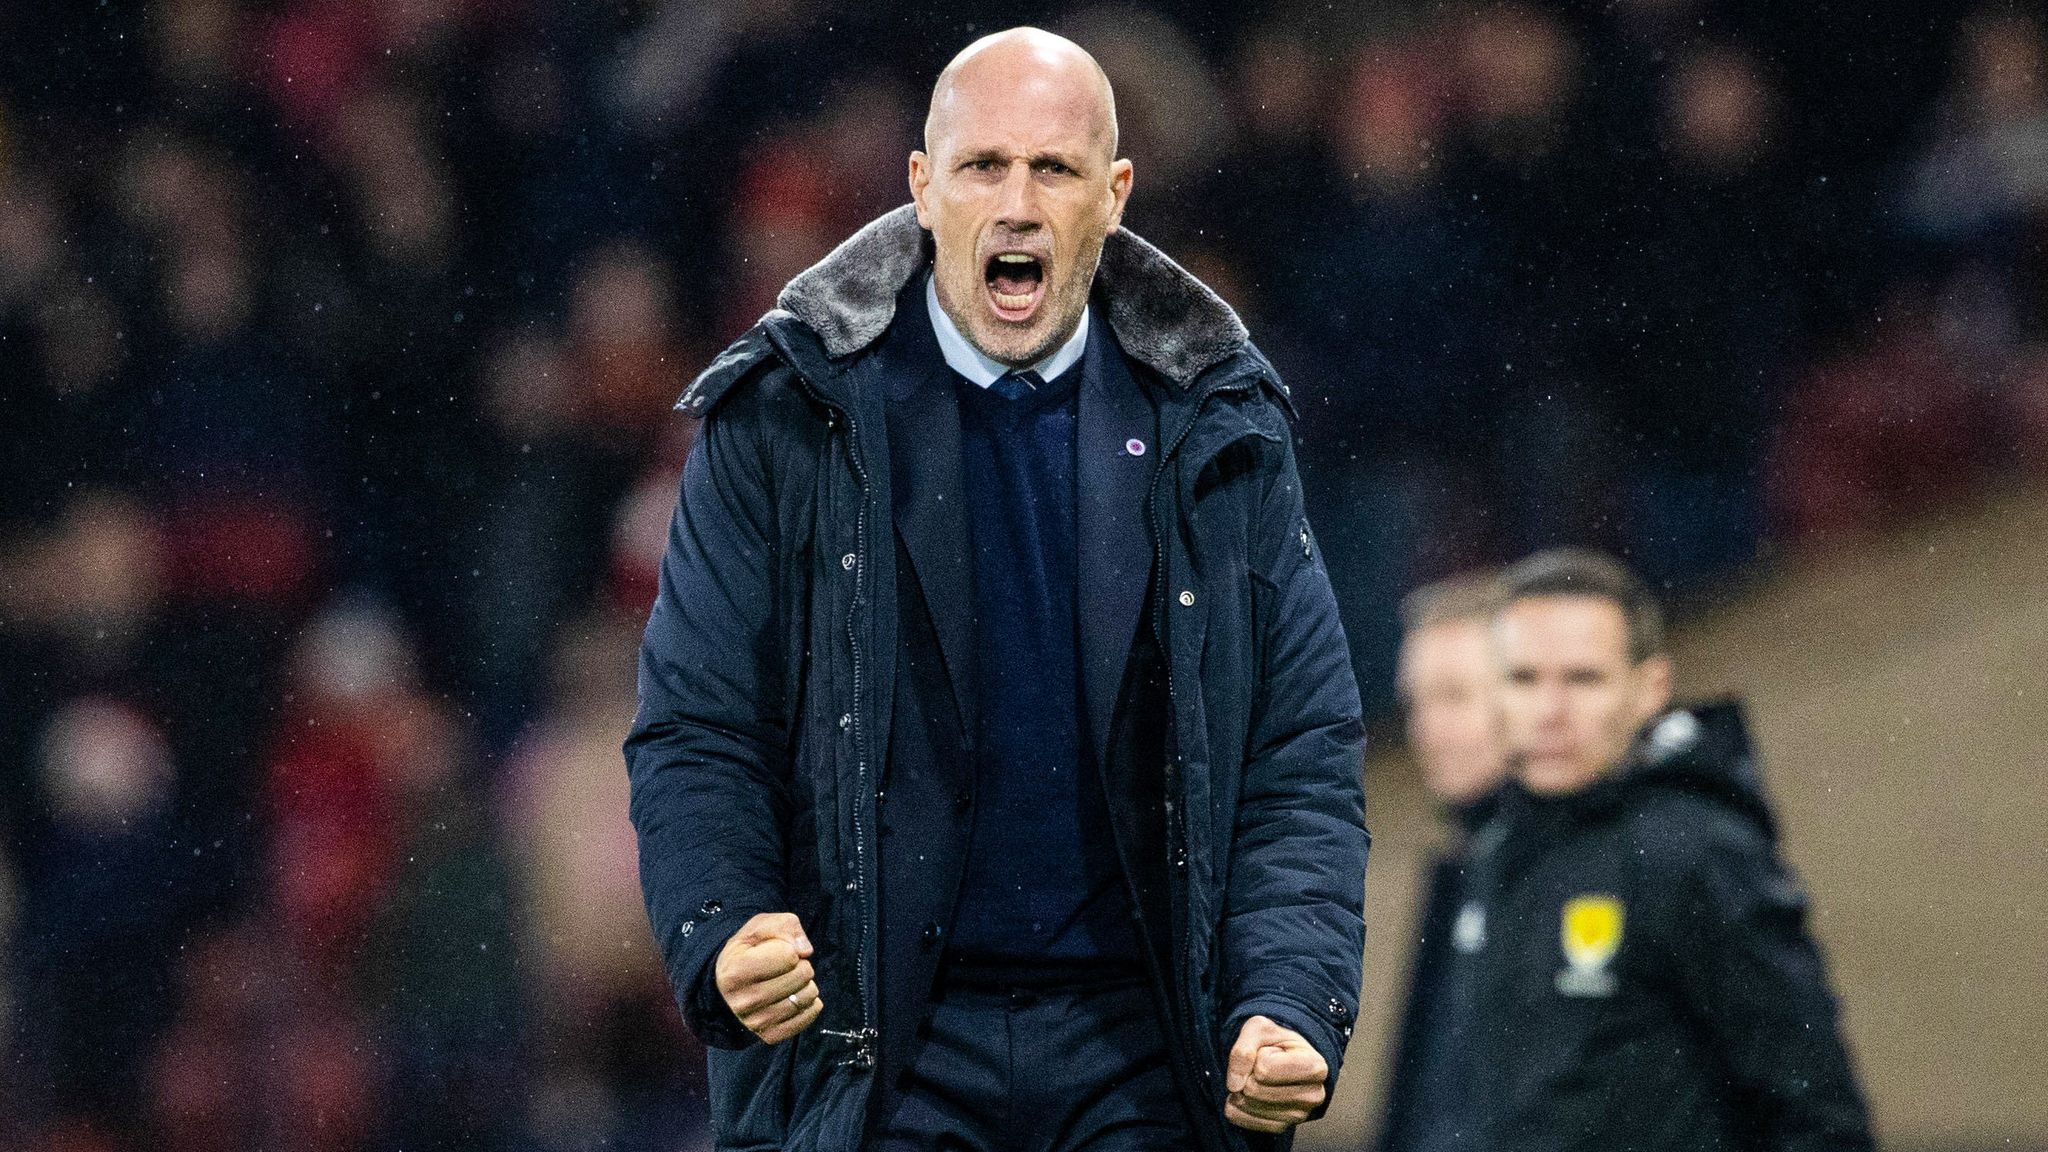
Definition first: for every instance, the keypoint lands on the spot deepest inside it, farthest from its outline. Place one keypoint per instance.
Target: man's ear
(1654, 686)
(920, 179)
(1120, 174)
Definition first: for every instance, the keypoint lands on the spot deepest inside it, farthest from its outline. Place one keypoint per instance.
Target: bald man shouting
(997, 765)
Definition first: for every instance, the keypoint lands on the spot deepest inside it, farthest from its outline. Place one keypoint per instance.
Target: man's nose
(1017, 205)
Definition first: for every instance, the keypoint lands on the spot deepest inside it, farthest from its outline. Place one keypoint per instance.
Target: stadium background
(336, 344)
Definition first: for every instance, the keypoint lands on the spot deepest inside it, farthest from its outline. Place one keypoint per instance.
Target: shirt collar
(969, 361)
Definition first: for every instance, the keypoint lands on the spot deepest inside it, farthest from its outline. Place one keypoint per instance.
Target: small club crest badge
(1590, 930)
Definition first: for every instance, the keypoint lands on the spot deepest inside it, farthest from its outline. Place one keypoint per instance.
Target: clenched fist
(764, 973)
(1275, 1078)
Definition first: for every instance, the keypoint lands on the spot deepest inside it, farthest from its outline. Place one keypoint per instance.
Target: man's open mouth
(1016, 283)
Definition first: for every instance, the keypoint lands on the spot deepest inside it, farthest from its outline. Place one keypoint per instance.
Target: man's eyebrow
(970, 155)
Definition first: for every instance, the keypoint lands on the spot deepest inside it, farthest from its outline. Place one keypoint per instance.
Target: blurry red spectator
(206, 1091)
(316, 52)
(326, 1082)
(640, 536)
(328, 783)
(264, 1055)
(1389, 126)
(564, 801)
(239, 547)
(783, 225)
(1877, 433)
(629, 353)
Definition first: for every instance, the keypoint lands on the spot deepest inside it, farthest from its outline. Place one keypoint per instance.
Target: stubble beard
(1007, 345)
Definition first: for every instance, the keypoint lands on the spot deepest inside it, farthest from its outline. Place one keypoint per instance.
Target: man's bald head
(1000, 63)
(1020, 186)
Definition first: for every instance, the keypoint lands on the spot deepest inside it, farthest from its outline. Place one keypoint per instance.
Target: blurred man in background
(1446, 679)
(1638, 970)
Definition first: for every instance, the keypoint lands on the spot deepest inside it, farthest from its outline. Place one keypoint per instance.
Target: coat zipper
(1177, 818)
(863, 1039)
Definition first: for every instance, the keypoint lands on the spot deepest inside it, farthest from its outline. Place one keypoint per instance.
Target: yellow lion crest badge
(1590, 930)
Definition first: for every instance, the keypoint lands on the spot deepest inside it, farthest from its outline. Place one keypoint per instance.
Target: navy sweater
(1042, 886)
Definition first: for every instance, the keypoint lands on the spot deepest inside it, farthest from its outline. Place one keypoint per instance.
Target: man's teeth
(1022, 262)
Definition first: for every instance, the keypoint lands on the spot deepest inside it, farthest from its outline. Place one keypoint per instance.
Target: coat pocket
(750, 1096)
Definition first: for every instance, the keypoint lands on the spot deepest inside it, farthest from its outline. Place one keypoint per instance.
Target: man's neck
(963, 357)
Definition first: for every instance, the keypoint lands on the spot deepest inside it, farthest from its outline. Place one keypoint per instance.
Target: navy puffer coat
(770, 660)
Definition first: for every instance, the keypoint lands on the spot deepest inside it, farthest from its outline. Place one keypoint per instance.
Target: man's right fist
(764, 973)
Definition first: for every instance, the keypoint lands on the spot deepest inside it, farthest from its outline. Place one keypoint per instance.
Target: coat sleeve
(1754, 977)
(708, 754)
(1294, 908)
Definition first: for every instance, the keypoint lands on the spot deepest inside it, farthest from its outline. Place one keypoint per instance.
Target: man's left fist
(1275, 1078)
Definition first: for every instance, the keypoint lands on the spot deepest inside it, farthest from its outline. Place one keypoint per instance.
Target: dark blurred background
(337, 340)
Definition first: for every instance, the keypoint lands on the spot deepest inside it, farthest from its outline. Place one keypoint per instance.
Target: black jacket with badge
(798, 749)
(1644, 979)
(1426, 1078)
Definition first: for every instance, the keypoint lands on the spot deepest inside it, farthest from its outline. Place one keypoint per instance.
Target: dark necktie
(1016, 385)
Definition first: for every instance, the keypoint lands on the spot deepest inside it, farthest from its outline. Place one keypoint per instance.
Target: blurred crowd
(337, 340)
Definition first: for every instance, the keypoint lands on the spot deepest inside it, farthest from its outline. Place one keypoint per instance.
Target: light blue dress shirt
(969, 361)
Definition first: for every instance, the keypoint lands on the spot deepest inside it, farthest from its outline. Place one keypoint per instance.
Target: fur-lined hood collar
(1160, 313)
(1162, 316)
